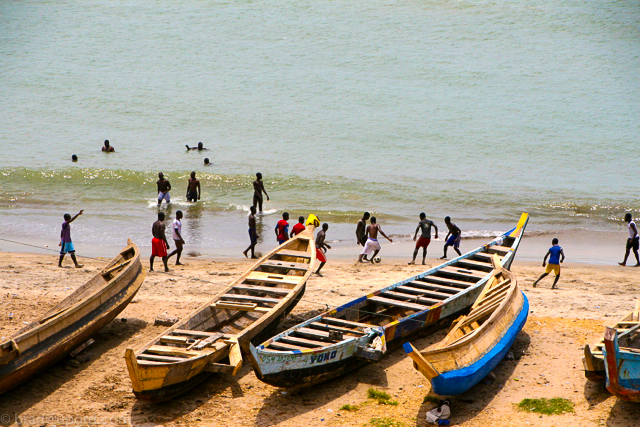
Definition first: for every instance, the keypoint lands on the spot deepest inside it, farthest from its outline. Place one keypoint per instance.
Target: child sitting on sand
(553, 253)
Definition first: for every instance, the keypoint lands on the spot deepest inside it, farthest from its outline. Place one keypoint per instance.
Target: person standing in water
(453, 237)
(554, 254)
(258, 189)
(107, 148)
(177, 238)
(298, 228)
(372, 244)
(193, 188)
(164, 186)
(633, 242)
(66, 245)
(322, 247)
(425, 237)
(159, 244)
(361, 231)
(282, 229)
(253, 233)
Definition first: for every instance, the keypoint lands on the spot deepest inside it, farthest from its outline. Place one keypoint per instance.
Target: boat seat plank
(174, 339)
(477, 265)
(265, 289)
(432, 286)
(463, 272)
(444, 281)
(302, 341)
(251, 298)
(408, 297)
(402, 304)
(315, 334)
(156, 358)
(174, 351)
(192, 333)
(239, 306)
(496, 248)
(347, 323)
(296, 266)
(484, 255)
(293, 254)
(261, 276)
(277, 345)
(438, 295)
(326, 327)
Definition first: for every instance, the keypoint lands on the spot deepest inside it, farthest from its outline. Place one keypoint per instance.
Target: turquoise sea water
(478, 110)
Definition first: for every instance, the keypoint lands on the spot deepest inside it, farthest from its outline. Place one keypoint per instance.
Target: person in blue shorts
(453, 237)
(554, 253)
(66, 245)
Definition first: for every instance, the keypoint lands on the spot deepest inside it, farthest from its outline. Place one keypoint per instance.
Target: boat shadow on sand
(28, 394)
(468, 405)
(621, 414)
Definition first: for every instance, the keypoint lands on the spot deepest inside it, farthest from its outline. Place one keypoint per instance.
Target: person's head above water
(160, 216)
(628, 217)
(301, 219)
(259, 175)
(366, 215)
(206, 160)
(74, 158)
(325, 226)
(179, 214)
(422, 215)
(285, 216)
(200, 145)
(106, 143)
(67, 217)
(373, 220)
(193, 174)
(554, 241)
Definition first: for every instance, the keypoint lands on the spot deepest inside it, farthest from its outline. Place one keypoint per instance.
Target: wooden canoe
(367, 328)
(86, 311)
(622, 362)
(593, 360)
(478, 341)
(210, 338)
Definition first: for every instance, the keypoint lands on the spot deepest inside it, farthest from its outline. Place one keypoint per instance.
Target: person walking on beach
(282, 229)
(253, 233)
(633, 242)
(372, 244)
(322, 247)
(66, 245)
(361, 231)
(107, 148)
(159, 244)
(193, 188)
(177, 238)
(298, 228)
(164, 186)
(258, 189)
(425, 237)
(554, 254)
(453, 237)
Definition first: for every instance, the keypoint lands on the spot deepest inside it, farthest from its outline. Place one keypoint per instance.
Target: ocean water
(479, 110)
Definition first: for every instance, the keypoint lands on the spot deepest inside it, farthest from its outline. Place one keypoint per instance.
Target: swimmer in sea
(200, 147)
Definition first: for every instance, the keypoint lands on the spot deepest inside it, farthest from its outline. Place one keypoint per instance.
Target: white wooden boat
(478, 341)
(365, 329)
(210, 338)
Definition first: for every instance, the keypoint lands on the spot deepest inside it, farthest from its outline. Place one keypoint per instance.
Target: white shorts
(164, 196)
(371, 246)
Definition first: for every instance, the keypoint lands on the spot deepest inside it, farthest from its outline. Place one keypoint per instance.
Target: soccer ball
(377, 260)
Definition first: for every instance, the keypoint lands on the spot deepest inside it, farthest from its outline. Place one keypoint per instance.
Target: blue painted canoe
(478, 341)
(622, 363)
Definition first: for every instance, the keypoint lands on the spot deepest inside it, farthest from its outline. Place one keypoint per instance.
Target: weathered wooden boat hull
(622, 367)
(461, 380)
(82, 325)
(367, 341)
(211, 338)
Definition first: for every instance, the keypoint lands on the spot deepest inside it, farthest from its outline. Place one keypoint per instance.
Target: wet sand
(96, 389)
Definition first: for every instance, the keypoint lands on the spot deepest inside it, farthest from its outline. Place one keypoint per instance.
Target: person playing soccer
(425, 237)
(322, 247)
(453, 237)
(554, 253)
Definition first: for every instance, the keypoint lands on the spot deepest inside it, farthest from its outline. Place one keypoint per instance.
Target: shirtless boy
(107, 148)
(159, 244)
(453, 237)
(258, 189)
(322, 247)
(372, 241)
(253, 233)
(361, 231)
(193, 188)
(200, 147)
(163, 189)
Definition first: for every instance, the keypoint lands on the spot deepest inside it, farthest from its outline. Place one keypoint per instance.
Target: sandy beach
(94, 389)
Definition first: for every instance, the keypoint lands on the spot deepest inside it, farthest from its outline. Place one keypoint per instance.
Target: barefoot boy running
(554, 254)
(425, 237)
(66, 245)
(453, 237)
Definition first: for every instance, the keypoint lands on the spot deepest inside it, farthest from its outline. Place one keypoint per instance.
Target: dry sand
(97, 391)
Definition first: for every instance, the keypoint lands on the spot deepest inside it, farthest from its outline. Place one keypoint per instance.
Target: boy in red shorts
(425, 237)
(322, 247)
(159, 244)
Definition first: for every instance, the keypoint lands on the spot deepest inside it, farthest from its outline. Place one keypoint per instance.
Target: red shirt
(297, 229)
(282, 229)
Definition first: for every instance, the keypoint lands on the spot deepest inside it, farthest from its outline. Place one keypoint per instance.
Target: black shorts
(362, 240)
(192, 196)
(633, 243)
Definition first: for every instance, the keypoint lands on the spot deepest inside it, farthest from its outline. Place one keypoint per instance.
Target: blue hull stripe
(461, 380)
